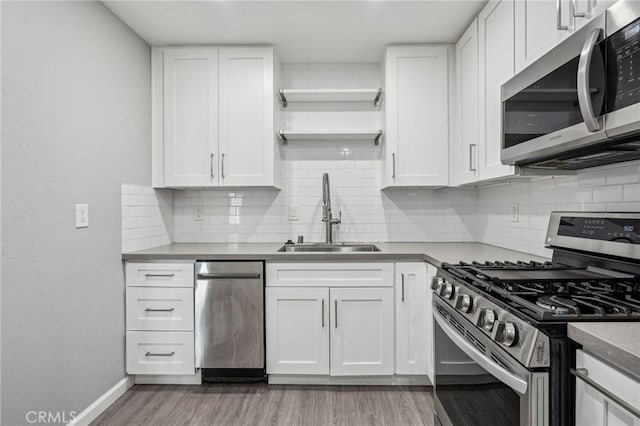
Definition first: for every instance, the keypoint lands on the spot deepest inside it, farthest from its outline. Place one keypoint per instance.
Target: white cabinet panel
(246, 116)
(361, 331)
(536, 28)
(431, 272)
(417, 115)
(590, 9)
(464, 149)
(190, 116)
(159, 274)
(594, 408)
(153, 352)
(349, 274)
(297, 327)
(412, 313)
(496, 58)
(153, 308)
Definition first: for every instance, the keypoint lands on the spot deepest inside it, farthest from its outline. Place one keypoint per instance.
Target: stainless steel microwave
(578, 106)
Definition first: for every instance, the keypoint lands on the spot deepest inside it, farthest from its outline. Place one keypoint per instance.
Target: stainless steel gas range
(502, 352)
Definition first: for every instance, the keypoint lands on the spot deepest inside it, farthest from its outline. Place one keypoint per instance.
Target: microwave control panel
(624, 57)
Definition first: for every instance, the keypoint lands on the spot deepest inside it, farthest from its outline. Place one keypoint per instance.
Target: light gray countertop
(618, 343)
(434, 253)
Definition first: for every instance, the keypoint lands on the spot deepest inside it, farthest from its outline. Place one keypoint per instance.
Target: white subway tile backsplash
(147, 217)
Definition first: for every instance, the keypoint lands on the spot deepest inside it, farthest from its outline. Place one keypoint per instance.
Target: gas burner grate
(547, 291)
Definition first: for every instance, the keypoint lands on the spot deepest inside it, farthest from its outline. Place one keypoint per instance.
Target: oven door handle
(514, 382)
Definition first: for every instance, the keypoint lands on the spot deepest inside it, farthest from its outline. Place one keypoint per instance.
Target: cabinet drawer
(159, 352)
(151, 308)
(329, 274)
(159, 274)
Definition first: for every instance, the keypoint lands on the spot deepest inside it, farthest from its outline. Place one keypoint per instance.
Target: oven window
(468, 394)
(551, 103)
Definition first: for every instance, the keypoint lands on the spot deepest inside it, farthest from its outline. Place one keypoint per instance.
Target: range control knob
(464, 303)
(436, 283)
(486, 319)
(446, 290)
(506, 333)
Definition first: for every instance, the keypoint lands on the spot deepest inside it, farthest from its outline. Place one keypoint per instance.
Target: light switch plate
(515, 212)
(82, 215)
(293, 212)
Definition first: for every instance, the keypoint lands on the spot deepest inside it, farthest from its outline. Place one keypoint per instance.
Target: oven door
(477, 383)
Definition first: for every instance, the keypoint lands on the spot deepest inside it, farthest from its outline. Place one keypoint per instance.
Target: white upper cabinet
(213, 117)
(464, 144)
(586, 10)
(417, 116)
(247, 133)
(190, 116)
(540, 25)
(496, 60)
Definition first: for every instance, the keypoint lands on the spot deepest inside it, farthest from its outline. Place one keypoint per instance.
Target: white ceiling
(303, 30)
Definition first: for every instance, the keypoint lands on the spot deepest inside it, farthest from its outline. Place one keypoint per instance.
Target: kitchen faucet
(327, 218)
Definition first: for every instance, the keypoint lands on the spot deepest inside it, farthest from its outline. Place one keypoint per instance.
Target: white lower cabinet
(337, 331)
(412, 317)
(297, 327)
(160, 318)
(152, 352)
(593, 408)
(361, 331)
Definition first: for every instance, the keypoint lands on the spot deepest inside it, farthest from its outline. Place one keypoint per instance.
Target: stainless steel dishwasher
(229, 319)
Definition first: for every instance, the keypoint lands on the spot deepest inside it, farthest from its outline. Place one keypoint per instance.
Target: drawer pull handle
(583, 374)
(402, 276)
(159, 310)
(159, 354)
(159, 275)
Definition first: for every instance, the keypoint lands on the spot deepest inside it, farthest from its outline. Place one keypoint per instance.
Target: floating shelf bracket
(283, 99)
(376, 101)
(283, 137)
(376, 141)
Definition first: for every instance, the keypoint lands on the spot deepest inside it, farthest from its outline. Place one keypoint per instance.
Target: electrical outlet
(293, 212)
(198, 213)
(82, 215)
(515, 212)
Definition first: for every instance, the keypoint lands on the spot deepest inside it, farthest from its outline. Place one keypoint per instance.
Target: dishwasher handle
(228, 276)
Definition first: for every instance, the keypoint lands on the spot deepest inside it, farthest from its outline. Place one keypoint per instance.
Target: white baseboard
(301, 379)
(105, 400)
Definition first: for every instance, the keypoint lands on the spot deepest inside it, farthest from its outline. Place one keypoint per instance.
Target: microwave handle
(514, 382)
(584, 93)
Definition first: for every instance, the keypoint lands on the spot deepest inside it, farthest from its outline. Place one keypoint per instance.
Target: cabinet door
(412, 313)
(537, 28)
(496, 56)
(431, 272)
(361, 331)
(464, 150)
(586, 10)
(247, 135)
(593, 408)
(297, 327)
(417, 116)
(190, 116)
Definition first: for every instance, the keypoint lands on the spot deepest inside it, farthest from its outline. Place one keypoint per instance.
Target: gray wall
(75, 125)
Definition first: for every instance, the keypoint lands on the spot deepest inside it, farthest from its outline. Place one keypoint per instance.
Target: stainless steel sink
(323, 247)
